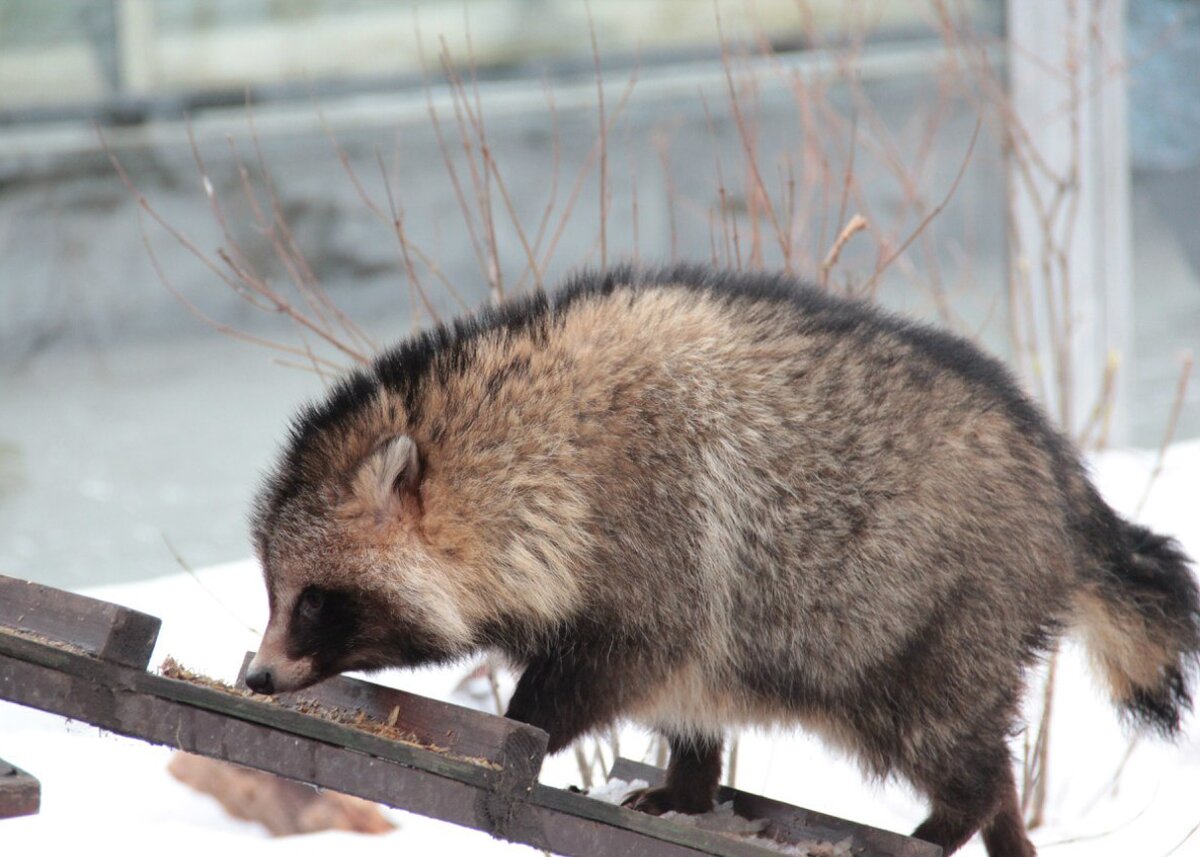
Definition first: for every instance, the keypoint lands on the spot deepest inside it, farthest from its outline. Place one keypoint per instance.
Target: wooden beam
(125, 710)
(20, 794)
(380, 744)
(574, 824)
(114, 685)
(792, 824)
(514, 746)
(269, 737)
(107, 631)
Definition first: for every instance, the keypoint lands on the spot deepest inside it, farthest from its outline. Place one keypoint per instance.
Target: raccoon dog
(701, 500)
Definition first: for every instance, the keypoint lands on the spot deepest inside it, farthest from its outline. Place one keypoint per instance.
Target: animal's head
(352, 582)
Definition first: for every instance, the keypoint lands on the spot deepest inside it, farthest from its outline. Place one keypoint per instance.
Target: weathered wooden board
(108, 631)
(268, 737)
(85, 659)
(468, 800)
(115, 685)
(462, 731)
(793, 824)
(574, 824)
(20, 794)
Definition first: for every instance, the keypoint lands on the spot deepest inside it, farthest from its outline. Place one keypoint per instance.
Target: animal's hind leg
(974, 790)
(692, 777)
(1004, 835)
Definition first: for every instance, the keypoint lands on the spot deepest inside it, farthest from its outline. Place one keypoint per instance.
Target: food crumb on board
(353, 718)
(723, 821)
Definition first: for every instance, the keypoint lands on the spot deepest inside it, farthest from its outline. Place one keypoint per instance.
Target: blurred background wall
(132, 434)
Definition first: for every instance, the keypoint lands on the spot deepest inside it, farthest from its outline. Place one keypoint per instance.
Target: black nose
(261, 681)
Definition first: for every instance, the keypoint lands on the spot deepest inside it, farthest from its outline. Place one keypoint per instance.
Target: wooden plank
(794, 824)
(462, 731)
(461, 766)
(575, 824)
(119, 682)
(20, 794)
(214, 723)
(107, 631)
(126, 711)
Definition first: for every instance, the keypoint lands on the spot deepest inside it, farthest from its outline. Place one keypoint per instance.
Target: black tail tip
(1161, 585)
(1161, 708)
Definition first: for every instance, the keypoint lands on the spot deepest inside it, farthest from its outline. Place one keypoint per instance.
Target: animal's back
(821, 495)
(872, 532)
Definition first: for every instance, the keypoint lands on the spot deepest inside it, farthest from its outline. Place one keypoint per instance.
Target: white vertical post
(137, 46)
(1072, 247)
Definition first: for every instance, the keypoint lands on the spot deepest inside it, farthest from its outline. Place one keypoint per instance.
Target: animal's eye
(311, 602)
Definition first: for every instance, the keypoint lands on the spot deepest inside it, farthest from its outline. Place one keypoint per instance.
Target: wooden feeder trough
(86, 659)
(20, 793)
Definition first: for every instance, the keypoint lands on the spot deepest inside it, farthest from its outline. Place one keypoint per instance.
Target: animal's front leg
(567, 698)
(692, 777)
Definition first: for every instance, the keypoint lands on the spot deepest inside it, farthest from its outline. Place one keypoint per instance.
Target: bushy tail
(1140, 614)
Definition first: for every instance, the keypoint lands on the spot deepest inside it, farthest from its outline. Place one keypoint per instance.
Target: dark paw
(660, 800)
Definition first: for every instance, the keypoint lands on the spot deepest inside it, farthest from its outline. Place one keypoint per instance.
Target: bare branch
(857, 224)
(1185, 373)
(937, 209)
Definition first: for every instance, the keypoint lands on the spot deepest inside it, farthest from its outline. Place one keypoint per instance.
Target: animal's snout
(261, 680)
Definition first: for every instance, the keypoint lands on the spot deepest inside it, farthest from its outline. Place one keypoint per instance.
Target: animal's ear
(390, 475)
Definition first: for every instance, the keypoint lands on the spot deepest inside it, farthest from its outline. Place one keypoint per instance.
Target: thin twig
(1181, 385)
(1034, 799)
(585, 768)
(398, 227)
(494, 687)
(934, 212)
(1101, 414)
(1110, 787)
(603, 139)
(191, 572)
(1183, 841)
(748, 146)
(390, 221)
(857, 224)
(1093, 837)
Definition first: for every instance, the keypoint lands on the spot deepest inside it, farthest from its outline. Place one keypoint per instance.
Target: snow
(615, 791)
(98, 788)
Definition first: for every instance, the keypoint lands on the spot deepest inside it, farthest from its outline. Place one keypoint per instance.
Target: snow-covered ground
(100, 789)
